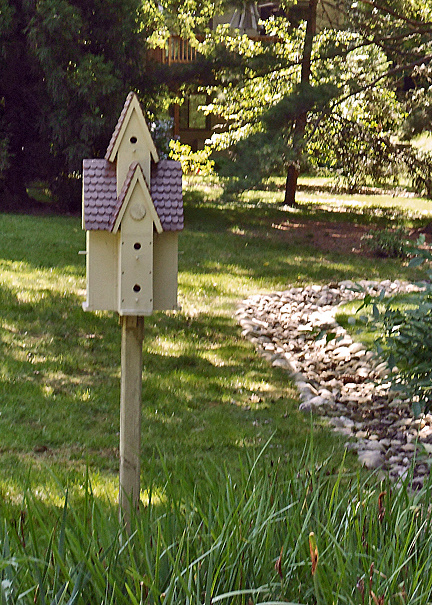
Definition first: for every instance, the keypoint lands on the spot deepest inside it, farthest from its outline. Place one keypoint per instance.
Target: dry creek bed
(340, 379)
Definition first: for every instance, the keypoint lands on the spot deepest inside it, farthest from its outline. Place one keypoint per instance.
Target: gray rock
(371, 458)
(317, 401)
(339, 379)
(280, 362)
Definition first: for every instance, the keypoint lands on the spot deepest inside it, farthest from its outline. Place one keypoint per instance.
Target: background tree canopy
(65, 68)
(342, 96)
(338, 95)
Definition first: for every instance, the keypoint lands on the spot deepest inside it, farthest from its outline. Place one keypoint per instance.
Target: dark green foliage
(407, 341)
(268, 151)
(419, 166)
(391, 243)
(348, 112)
(361, 154)
(304, 98)
(65, 70)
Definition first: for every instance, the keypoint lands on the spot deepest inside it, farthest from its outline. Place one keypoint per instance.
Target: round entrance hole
(133, 140)
(137, 246)
(136, 288)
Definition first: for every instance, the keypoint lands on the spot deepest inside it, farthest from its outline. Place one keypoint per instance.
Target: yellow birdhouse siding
(165, 267)
(133, 148)
(136, 260)
(127, 204)
(102, 262)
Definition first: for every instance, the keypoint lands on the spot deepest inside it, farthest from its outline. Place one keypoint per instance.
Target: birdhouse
(132, 213)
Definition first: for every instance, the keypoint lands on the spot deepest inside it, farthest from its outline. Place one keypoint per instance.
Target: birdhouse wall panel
(165, 270)
(136, 261)
(102, 262)
(133, 148)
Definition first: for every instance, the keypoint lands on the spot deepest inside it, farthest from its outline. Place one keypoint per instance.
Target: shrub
(388, 243)
(406, 339)
(193, 162)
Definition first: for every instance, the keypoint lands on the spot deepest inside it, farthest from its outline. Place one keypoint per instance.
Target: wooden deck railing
(177, 50)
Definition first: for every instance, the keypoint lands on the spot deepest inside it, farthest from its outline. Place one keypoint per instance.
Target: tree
(66, 67)
(280, 106)
(301, 119)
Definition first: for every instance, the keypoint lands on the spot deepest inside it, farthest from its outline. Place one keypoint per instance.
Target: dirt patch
(326, 236)
(343, 237)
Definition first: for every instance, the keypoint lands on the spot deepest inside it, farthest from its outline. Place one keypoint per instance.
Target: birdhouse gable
(139, 206)
(131, 112)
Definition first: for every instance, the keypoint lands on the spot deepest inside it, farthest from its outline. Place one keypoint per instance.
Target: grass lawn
(245, 499)
(208, 399)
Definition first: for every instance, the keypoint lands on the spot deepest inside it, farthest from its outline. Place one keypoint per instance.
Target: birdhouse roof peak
(135, 175)
(131, 105)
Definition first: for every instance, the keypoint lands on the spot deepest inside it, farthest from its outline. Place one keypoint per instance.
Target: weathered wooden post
(130, 412)
(132, 213)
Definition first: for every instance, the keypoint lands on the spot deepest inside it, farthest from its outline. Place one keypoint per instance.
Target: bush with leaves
(406, 339)
(192, 162)
(388, 243)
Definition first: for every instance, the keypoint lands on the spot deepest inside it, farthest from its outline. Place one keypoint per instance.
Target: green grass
(228, 541)
(234, 478)
(207, 397)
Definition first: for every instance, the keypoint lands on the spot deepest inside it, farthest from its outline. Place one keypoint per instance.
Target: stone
(372, 445)
(338, 379)
(356, 347)
(282, 363)
(317, 401)
(371, 458)
(306, 406)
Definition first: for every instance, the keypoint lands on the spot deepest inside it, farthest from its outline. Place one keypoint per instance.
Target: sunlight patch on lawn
(344, 203)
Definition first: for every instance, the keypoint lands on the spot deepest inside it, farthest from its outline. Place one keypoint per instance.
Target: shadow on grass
(256, 210)
(43, 241)
(205, 395)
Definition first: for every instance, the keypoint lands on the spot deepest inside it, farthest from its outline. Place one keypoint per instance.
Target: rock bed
(339, 379)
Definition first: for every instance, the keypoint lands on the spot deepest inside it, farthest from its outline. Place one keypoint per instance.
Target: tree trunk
(291, 185)
(293, 170)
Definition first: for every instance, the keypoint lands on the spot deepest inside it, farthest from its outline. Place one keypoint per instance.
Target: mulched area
(325, 236)
(343, 237)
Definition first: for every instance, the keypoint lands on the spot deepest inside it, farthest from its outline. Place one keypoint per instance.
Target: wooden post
(130, 415)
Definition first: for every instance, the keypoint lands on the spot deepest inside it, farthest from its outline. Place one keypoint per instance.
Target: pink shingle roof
(166, 193)
(99, 194)
(101, 206)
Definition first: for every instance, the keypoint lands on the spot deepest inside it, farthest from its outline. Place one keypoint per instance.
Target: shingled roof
(101, 205)
(99, 194)
(166, 193)
(102, 209)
